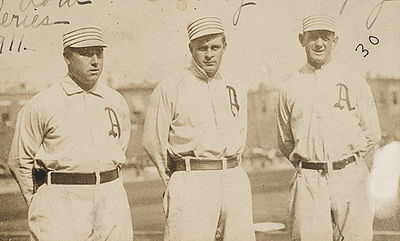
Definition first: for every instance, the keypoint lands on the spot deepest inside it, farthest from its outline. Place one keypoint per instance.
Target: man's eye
(202, 49)
(86, 53)
(215, 47)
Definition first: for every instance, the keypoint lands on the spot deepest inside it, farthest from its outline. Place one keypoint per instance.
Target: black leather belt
(76, 178)
(323, 166)
(197, 164)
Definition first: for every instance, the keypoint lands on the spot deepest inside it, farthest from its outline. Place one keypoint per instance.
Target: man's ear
(224, 47)
(301, 39)
(335, 41)
(66, 58)
(191, 48)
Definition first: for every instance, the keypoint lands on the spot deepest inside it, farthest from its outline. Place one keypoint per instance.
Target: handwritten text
(373, 16)
(236, 15)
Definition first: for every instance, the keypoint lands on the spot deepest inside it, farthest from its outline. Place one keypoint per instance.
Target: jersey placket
(318, 116)
(87, 122)
(211, 91)
(218, 98)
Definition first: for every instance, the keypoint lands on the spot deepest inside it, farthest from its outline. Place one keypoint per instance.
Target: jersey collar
(200, 73)
(309, 68)
(71, 88)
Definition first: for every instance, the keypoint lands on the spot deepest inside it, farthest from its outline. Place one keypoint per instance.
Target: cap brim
(315, 28)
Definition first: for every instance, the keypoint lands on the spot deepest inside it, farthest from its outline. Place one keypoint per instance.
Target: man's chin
(318, 61)
(92, 78)
(210, 73)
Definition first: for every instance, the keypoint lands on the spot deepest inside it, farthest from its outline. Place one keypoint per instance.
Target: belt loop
(97, 178)
(49, 177)
(119, 169)
(224, 163)
(300, 167)
(356, 157)
(187, 163)
(329, 166)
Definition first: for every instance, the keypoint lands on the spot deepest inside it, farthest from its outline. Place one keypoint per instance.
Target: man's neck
(201, 73)
(84, 87)
(316, 65)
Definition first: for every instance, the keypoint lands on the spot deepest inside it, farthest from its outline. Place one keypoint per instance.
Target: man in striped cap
(68, 148)
(195, 133)
(328, 128)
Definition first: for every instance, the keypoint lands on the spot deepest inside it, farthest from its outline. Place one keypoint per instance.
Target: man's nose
(94, 60)
(319, 42)
(209, 54)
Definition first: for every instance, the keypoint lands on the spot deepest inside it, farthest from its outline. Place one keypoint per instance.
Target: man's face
(207, 51)
(85, 65)
(318, 45)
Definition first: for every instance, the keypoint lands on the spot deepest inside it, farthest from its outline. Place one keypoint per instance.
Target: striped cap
(83, 37)
(319, 22)
(203, 26)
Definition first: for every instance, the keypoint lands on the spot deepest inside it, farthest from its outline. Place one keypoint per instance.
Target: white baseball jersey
(193, 115)
(65, 128)
(326, 115)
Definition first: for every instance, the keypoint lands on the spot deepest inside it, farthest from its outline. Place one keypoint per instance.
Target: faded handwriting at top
(22, 22)
(35, 21)
(372, 17)
(236, 15)
(25, 4)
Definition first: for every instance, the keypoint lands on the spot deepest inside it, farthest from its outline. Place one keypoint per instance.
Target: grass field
(269, 188)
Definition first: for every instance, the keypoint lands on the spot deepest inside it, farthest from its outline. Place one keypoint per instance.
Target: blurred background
(147, 41)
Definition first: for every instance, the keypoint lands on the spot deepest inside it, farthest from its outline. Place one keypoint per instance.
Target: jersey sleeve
(285, 136)
(125, 125)
(156, 127)
(28, 136)
(369, 121)
(243, 119)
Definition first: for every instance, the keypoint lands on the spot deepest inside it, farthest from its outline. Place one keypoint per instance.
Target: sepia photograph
(200, 120)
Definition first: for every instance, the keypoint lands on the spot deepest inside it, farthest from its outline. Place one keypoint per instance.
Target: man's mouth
(94, 71)
(319, 52)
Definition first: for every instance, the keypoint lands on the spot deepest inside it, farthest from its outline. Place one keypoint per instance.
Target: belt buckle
(97, 175)
(355, 156)
(345, 163)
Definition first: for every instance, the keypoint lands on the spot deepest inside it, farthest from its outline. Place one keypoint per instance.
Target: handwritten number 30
(362, 49)
(373, 40)
(376, 40)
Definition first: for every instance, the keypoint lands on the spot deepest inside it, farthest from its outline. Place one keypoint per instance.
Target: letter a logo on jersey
(346, 100)
(115, 127)
(233, 100)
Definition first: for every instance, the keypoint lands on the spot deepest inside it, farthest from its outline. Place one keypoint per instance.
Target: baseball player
(327, 126)
(195, 133)
(69, 144)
